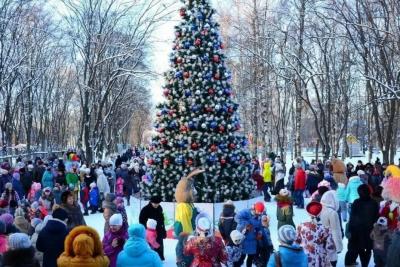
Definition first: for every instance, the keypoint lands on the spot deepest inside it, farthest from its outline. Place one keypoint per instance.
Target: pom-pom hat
(237, 237)
(314, 208)
(151, 224)
(287, 234)
(258, 207)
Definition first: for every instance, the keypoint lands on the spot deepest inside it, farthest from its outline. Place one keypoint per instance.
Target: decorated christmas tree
(198, 124)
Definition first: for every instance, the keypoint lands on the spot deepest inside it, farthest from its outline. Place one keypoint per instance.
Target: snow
(97, 221)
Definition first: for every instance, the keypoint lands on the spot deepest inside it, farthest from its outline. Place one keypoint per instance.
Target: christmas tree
(198, 123)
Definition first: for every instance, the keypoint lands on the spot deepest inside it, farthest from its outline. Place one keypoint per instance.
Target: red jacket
(300, 180)
(207, 252)
(259, 180)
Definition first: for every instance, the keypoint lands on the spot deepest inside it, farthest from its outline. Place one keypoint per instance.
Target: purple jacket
(109, 250)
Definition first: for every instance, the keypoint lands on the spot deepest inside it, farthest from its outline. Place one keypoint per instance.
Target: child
(264, 243)
(119, 202)
(234, 249)
(35, 212)
(94, 198)
(84, 197)
(114, 239)
(47, 200)
(341, 195)
(120, 187)
(151, 234)
(380, 235)
(35, 192)
(284, 208)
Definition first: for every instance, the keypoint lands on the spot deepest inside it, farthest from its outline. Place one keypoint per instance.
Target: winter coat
(259, 180)
(339, 171)
(47, 202)
(380, 236)
(313, 179)
(364, 213)
(50, 241)
(8, 197)
(351, 189)
(391, 211)
(75, 216)
(47, 179)
(148, 212)
(72, 180)
(300, 180)
(83, 248)
(246, 220)
(60, 179)
(284, 211)
(119, 189)
(22, 224)
(110, 251)
(34, 237)
(151, 238)
(234, 252)
(102, 182)
(84, 195)
(17, 186)
(267, 172)
(227, 222)
(26, 181)
(317, 243)
(291, 256)
(3, 243)
(20, 258)
(136, 252)
(209, 251)
(5, 178)
(392, 258)
(94, 197)
(341, 192)
(279, 172)
(330, 219)
(38, 173)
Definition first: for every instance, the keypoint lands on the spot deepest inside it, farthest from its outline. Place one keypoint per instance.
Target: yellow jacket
(267, 172)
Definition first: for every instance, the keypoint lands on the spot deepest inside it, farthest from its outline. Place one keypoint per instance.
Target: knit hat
(30, 167)
(35, 222)
(19, 241)
(203, 225)
(19, 212)
(60, 214)
(116, 219)
(7, 218)
(155, 199)
(3, 228)
(284, 192)
(258, 207)
(360, 172)
(314, 208)
(287, 234)
(8, 186)
(35, 205)
(237, 237)
(151, 224)
(382, 221)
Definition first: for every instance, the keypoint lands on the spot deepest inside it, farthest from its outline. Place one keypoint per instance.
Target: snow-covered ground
(96, 221)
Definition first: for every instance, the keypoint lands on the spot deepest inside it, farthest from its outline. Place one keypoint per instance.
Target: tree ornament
(221, 129)
(186, 75)
(216, 58)
(166, 92)
(166, 162)
(183, 129)
(232, 146)
(211, 91)
(223, 161)
(214, 148)
(189, 162)
(179, 60)
(194, 146)
(197, 42)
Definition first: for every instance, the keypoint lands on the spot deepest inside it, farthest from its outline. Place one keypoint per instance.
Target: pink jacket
(3, 244)
(120, 187)
(151, 237)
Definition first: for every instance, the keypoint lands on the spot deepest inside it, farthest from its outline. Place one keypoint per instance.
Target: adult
(249, 223)
(47, 179)
(392, 258)
(114, 239)
(315, 238)
(290, 254)
(136, 252)
(118, 161)
(38, 170)
(20, 252)
(364, 213)
(299, 186)
(153, 210)
(352, 191)
(83, 248)
(27, 179)
(109, 209)
(5, 176)
(75, 216)
(313, 179)
(51, 238)
(279, 171)
(330, 219)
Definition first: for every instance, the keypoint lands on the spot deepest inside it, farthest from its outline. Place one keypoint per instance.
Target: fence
(31, 155)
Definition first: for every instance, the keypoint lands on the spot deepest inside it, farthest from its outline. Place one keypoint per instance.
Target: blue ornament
(179, 160)
(195, 108)
(188, 93)
(191, 125)
(205, 59)
(222, 146)
(194, 27)
(208, 75)
(200, 16)
(212, 159)
(172, 124)
(244, 142)
(187, 44)
(227, 91)
(224, 108)
(213, 125)
(164, 111)
(178, 74)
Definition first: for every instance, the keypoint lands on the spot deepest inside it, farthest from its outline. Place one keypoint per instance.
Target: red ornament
(164, 141)
(160, 130)
(204, 32)
(223, 161)
(189, 162)
(194, 146)
(211, 91)
(232, 146)
(183, 128)
(186, 75)
(150, 161)
(222, 46)
(243, 161)
(214, 148)
(216, 58)
(209, 109)
(171, 112)
(197, 42)
(177, 34)
(182, 12)
(166, 161)
(179, 60)
(230, 110)
(221, 129)
(166, 92)
(217, 76)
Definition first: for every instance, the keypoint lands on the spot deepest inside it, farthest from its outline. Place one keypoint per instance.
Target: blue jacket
(137, 252)
(17, 186)
(244, 218)
(47, 180)
(351, 189)
(341, 192)
(94, 196)
(291, 256)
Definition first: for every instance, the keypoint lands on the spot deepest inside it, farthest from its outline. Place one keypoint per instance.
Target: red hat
(259, 207)
(314, 208)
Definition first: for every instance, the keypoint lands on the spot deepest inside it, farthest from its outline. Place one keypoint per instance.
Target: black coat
(393, 259)
(26, 181)
(75, 216)
(227, 222)
(313, 179)
(51, 242)
(149, 212)
(364, 213)
(20, 258)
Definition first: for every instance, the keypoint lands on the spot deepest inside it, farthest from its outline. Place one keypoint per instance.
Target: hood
(228, 210)
(83, 241)
(341, 185)
(329, 199)
(55, 226)
(354, 179)
(136, 243)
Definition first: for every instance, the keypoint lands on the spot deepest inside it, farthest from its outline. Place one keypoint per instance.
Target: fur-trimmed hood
(83, 248)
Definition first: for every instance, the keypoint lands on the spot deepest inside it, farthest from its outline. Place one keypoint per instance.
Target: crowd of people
(44, 203)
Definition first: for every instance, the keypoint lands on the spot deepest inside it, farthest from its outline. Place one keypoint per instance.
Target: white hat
(30, 167)
(360, 172)
(151, 224)
(92, 185)
(19, 241)
(203, 225)
(287, 234)
(237, 237)
(116, 219)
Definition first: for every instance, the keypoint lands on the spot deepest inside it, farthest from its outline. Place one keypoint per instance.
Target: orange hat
(259, 207)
